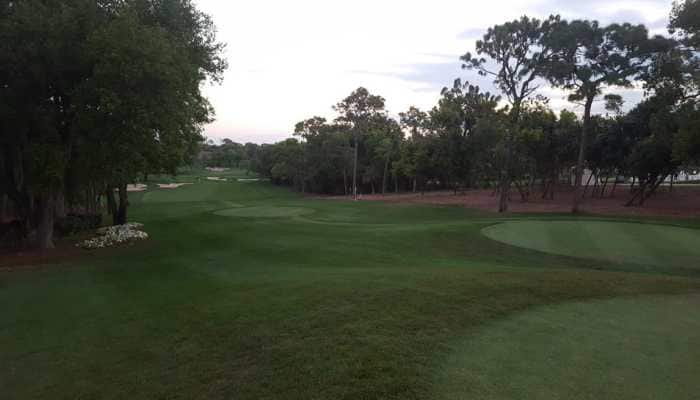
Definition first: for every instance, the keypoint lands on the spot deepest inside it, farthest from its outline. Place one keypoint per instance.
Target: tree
(517, 55)
(357, 111)
(585, 59)
(653, 126)
(413, 160)
(109, 87)
(454, 119)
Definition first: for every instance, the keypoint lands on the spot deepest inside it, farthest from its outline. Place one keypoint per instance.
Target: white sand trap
(172, 185)
(248, 179)
(217, 169)
(138, 187)
(216, 178)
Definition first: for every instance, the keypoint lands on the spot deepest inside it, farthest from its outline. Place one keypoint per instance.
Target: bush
(10, 235)
(76, 223)
(114, 235)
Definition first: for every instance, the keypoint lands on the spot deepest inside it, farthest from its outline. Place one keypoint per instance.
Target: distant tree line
(227, 154)
(512, 140)
(96, 94)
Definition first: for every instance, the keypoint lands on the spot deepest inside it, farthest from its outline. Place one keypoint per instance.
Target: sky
(291, 60)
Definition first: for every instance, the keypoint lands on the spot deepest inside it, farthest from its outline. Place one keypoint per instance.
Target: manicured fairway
(249, 291)
(265, 212)
(641, 348)
(660, 245)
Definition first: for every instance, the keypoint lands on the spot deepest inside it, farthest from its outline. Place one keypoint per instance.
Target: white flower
(110, 236)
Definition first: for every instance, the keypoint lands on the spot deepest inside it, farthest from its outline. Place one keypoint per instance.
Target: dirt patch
(683, 201)
(30, 259)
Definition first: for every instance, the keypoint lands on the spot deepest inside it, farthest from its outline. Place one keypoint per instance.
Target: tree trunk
(111, 204)
(652, 190)
(505, 175)
(4, 200)
(523, 194)
(605, 186)
(503, 200)
(354, 170)
(121, 216)
(612, 192)
(345, 182)
(44, 232)
(670, 188)
(639, 192)
(634, 179)
(386, 172)
(595, 184)
(60, 206)
(582, 153)
(585, 189)
(415, 183)
(545, 188)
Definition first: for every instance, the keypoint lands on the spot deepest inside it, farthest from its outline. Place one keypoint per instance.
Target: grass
(343, 300)
(659, 245)
(606, 349)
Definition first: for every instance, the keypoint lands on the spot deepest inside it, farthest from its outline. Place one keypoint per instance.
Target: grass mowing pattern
(660, 245)
(265, 212)
(357, 300)
(642, 348)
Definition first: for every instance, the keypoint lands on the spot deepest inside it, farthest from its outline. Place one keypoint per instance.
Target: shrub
(76, 223)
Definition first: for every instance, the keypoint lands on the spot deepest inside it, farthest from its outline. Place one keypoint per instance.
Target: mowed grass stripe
(627, 348)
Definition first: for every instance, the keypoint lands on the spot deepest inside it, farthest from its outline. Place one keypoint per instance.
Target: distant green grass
(660, 245)
(355, 300)
(264, 212)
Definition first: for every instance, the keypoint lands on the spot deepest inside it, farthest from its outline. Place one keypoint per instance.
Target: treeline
(96, 94)
(512, 140)
(228, 154)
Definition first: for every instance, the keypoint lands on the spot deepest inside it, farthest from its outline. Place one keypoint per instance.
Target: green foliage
(77, 223)
(107, 92)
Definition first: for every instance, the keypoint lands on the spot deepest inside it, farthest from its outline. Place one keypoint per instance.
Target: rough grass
(357, 301)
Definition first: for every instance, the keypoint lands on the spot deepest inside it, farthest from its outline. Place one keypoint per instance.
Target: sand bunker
(217, 169)
(248, 179)
(216, 178)
(137, 187)
(172, 185)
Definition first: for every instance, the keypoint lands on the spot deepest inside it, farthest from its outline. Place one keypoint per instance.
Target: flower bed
(113, 235)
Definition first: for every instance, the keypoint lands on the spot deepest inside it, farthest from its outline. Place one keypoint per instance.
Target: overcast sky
(291, 60)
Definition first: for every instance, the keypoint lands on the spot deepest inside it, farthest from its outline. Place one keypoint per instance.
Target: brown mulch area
(683, 202)
(30, 259)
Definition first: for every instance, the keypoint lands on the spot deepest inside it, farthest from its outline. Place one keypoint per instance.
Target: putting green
(610, 241)
(627, 348)
(265, 212)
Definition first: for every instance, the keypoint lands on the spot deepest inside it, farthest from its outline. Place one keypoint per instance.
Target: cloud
(292, 60)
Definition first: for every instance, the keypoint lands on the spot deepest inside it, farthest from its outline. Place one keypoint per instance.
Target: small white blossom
(113, 235)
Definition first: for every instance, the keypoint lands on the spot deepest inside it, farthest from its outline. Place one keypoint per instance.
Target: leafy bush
(76, 223)
(10, 235)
